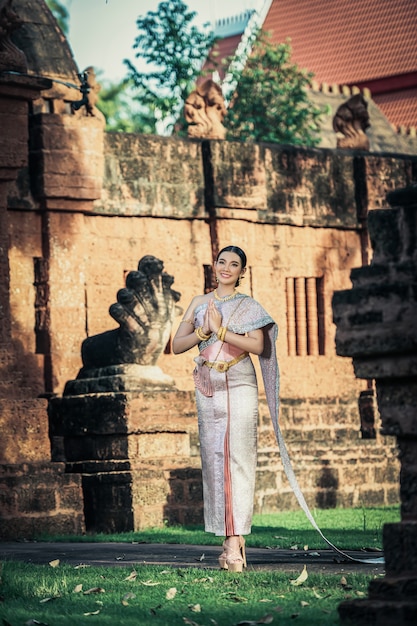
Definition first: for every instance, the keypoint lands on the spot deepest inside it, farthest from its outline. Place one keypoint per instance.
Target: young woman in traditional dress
(228, 326)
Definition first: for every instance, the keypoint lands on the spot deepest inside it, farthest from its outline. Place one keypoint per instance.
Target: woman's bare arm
(185, 337)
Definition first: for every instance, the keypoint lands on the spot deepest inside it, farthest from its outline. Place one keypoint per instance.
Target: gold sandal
(233, 560)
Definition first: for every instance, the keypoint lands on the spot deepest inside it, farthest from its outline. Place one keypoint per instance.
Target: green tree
(123, 113)
(60, 13)
(270, 102)
(174, 50)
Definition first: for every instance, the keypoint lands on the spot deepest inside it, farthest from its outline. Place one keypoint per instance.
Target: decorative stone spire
(11, 57)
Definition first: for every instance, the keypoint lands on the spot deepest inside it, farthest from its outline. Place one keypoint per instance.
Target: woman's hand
(206, 323)
(214, 317)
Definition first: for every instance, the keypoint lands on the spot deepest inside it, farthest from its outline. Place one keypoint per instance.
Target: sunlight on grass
(349, 529)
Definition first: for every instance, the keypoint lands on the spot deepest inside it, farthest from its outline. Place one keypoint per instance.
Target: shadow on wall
(184, 505)
(328, 485)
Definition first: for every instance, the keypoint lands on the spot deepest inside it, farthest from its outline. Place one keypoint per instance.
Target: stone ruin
(377, 326)
(121, 424)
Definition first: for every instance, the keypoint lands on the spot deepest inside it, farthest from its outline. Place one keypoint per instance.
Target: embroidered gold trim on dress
(223, 366)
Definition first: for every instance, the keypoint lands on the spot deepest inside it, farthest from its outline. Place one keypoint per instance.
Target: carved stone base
(127, 377)
(137, 454)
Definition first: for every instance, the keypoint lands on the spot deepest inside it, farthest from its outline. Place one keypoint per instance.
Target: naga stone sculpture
(352, 120)
(205, 110)
(125, 358)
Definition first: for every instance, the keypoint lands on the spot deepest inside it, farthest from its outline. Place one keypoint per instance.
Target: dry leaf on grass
(49, 599)
(304, 603)
(92, 613)
(266, 619)
(171, 593)
(132, 576)
(54, 563)
(195, 608)
(126, 597)
(206, 579)
(301, 579)
(235, 598)
(344, 584)
(94, 590)
(149, 583)
(77, 589)
(34, 622)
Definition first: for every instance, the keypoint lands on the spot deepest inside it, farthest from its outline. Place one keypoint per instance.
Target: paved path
(179, 555)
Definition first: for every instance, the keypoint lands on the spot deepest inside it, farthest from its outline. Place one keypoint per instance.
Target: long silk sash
(270, 374)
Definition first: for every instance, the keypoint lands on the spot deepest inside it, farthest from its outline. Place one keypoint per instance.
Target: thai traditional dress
(227, 406)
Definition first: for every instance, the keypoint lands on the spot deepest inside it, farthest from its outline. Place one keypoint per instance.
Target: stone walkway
(178, 555)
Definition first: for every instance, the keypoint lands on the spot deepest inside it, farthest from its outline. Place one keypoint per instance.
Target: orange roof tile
(347, 41)
(222, 51)
(400, 107)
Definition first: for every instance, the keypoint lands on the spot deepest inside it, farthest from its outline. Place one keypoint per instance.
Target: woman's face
(228, 268)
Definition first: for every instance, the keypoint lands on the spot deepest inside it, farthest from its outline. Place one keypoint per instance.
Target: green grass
(56, 596)
(204, 597)
(348, 529)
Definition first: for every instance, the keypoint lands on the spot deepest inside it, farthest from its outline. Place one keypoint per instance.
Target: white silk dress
(228, 418)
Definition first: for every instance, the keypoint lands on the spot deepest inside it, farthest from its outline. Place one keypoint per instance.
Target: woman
(227, 326)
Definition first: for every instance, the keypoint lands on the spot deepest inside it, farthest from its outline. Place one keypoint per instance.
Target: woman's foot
(233, 557)
(223, 557)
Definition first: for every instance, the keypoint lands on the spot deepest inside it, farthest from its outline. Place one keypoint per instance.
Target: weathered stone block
(148, 175)
(33, 505)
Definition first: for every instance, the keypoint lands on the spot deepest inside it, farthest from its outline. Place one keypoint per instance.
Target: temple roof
(347, 42)
(369, 43)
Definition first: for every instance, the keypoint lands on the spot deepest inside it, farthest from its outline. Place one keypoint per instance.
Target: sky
(102, 32)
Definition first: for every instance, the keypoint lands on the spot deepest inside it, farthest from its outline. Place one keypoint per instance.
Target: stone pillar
(377, 326)
(35, 494)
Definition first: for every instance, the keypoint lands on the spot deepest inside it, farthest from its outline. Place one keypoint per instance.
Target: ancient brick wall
(301, 217)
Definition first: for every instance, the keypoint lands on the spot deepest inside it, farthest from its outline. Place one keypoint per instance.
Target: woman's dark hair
(240, 254)
(237, 251)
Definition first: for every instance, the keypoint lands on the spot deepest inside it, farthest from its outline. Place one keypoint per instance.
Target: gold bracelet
(201, 334)
(221, 333)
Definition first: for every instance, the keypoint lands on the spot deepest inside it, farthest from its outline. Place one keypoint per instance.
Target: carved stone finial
(90, 89)
(125, 358)
(205, 111)
(11, 57)
(352, 119)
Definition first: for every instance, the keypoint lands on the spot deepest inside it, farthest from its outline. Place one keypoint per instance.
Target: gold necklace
(217, 297)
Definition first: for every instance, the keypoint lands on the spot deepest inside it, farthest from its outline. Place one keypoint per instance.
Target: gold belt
(223, 366)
